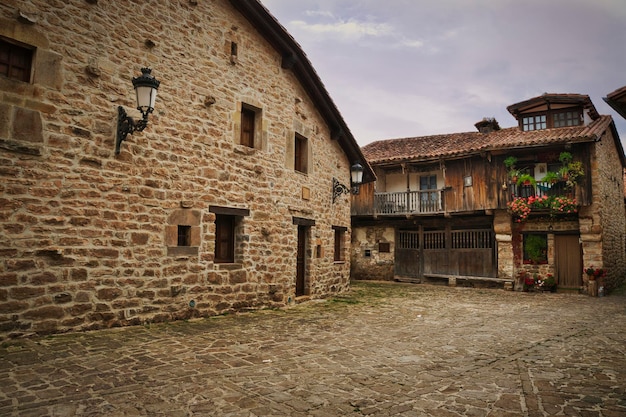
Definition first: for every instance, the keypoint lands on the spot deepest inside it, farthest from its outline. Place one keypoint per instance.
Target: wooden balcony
(541, 189)
(408, 203)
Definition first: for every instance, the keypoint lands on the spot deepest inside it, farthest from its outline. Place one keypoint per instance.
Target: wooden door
(568, 261)
(407, 259)
(301, 261)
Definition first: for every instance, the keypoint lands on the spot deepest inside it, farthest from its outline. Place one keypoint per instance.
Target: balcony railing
(409, 202)
(541, 189)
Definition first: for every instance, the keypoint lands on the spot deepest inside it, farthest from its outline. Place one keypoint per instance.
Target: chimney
(487, 125)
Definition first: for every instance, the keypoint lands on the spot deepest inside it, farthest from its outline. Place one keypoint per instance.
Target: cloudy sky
(400, 68)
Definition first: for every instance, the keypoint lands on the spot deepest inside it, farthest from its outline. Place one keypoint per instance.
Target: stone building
(225, 201)
(541, 200)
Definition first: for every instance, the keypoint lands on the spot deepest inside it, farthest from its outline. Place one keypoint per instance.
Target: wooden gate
(466, 252)
(407, 255)
(567, 261)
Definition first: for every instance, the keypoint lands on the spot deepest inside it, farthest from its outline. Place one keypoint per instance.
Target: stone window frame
(21, 126)
(11, 49)
(301, 154)
(183, 217)
(236, 238)
(304, 134)
(247, 108)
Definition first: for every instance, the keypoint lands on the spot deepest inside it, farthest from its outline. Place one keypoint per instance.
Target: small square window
(367, 253)
(184, 235)
(467, 181)
(15, 61)
(384, 247)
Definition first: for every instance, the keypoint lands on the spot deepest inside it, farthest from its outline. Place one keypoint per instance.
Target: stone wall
(86, 238)
(368, 262)
(603, 224)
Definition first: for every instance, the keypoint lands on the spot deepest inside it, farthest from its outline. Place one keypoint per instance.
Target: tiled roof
(461, 144)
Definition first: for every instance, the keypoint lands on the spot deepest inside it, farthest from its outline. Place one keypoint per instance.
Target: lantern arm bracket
(126, 125)
(339, 189)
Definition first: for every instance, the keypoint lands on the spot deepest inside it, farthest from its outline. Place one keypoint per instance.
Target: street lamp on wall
(146, 90)
(356, 178)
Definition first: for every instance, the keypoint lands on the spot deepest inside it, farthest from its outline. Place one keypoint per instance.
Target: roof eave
(294, 59)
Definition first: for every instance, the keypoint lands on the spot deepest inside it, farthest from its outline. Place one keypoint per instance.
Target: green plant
(575, 170)
(526, 179)
(565, 158)
(551, 177)
(535, 247)
(509, 162)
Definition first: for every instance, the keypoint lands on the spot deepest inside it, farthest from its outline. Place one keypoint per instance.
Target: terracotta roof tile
(452, 145)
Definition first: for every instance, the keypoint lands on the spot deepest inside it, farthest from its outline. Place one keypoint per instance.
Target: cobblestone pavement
(383, 350)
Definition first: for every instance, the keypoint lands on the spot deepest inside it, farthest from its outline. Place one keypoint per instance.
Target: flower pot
(591, 277)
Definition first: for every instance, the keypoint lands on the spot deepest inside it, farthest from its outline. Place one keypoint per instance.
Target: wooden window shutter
(247, 127)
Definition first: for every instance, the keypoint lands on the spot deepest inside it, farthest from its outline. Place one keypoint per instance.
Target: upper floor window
(534, 122)
(300, 154)
(15, 61)
(568, 118)
(248, 118)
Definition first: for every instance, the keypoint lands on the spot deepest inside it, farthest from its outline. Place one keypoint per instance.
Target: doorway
(568, 261)
(301, 261)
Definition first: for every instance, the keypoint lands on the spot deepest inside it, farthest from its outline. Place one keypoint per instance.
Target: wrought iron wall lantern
(356, 178)
(146, 89)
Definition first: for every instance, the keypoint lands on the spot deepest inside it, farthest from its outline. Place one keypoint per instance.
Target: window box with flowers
(555, 206)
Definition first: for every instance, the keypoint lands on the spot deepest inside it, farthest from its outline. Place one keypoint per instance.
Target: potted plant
(526, 179)
(551, 177)
(595, 273)
(575, 171)
(509, 163)
(547, 284)
(565, 158)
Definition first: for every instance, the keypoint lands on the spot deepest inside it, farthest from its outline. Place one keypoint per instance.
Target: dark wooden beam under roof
(617, 100)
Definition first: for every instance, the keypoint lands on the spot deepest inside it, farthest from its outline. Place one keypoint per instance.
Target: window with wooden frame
(228, 224)
(340, 243)
(300, 154)
(248, 120)
(565, 119)
(224, 238)
(537, 122)
(535, 248)
(15, 61)
(184, 235)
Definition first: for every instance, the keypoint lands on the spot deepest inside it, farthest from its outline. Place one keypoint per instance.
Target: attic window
(569, 118)
(534, 122)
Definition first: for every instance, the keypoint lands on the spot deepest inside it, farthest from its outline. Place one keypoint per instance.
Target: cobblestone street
(383, 350)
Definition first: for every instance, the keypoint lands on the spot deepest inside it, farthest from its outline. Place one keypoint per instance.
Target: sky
(406, 68)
